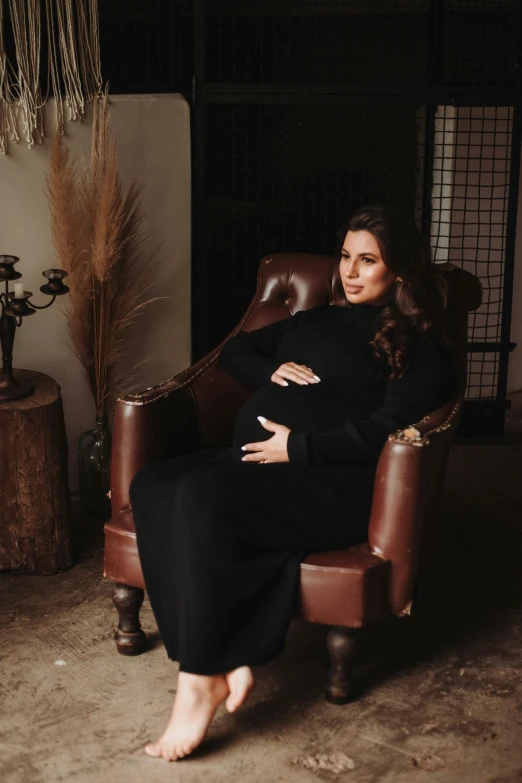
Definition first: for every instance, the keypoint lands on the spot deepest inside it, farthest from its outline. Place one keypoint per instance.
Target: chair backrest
(289, 282)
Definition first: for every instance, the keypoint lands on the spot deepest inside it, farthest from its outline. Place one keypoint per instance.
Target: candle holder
(14, 309)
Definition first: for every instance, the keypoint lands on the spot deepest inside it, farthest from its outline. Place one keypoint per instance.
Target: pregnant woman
(222, 532)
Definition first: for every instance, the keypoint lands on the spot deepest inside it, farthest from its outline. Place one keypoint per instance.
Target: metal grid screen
(147, 45)
(284, 177)
(358, 42)
(325, 41)
(469, 196)
(310, 109)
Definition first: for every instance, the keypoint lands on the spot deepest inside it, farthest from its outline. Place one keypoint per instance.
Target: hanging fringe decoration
(54, 70)
(7, 115)
(89, 39)
(73, 72)
(26, 89)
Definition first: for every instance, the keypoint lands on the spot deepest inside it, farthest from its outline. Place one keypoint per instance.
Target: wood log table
(35, 503)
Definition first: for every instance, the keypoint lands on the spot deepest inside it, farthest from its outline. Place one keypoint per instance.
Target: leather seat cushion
(342, 587)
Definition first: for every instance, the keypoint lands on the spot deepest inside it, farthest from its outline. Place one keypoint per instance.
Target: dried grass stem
(97, 230)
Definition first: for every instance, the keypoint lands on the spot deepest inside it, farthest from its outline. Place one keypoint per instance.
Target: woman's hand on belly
(272, 450)
(298, 373)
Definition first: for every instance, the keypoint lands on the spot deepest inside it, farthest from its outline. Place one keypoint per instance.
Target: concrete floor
(442, 698)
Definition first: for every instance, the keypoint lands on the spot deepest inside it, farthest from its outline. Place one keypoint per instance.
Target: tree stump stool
(35, 503)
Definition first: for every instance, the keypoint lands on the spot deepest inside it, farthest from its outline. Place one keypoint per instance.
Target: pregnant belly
(312, 408)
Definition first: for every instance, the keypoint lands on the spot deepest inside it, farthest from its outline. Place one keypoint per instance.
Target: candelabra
(15, 307)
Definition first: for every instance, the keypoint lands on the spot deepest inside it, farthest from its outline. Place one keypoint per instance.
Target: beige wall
(153, 136)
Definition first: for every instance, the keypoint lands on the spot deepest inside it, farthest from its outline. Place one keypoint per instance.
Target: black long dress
(221, 540)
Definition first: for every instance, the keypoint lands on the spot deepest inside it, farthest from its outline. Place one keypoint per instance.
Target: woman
(222, 532)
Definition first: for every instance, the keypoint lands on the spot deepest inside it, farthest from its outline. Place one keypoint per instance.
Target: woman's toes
(197, 700)
(241, 683)
(170, 754)
(231, 703)
(153, 749)
(232, 706)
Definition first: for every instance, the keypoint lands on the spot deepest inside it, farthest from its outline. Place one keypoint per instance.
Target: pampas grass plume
(97, 231)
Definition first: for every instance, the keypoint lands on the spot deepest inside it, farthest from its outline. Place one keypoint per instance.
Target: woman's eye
(364, 258)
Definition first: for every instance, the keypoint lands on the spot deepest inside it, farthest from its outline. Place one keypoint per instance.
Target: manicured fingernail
(317, 378)
(243, 448)
(262, 419)
(285, 383)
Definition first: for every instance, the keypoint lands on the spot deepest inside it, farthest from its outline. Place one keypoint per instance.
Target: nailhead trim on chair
(134, 399)
(423, 439)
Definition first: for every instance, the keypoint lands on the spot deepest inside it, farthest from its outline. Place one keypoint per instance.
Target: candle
(18, 289)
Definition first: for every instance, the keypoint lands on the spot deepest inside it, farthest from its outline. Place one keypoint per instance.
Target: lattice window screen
(469, 200)
(285, 177)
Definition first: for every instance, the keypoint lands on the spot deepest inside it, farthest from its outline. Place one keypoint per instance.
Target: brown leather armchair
(196, 409)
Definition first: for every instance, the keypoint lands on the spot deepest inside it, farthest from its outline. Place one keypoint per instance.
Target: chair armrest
(153, 425)
(194, 409)
(407, 498)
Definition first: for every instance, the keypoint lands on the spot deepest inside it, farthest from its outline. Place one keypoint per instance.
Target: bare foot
(196, 702)
(241, 683)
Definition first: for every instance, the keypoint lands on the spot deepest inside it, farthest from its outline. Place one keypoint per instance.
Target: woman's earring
(398, 282)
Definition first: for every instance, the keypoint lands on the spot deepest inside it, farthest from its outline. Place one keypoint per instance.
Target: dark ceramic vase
(94, 469)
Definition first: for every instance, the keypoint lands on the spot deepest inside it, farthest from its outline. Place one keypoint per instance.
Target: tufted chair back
(288, 283)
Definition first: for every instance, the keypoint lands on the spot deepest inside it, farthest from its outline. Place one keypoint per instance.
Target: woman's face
(364, 275)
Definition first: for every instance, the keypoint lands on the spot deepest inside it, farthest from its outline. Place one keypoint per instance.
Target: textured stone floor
(442, 694)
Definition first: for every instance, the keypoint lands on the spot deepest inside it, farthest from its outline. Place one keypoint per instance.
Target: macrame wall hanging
(70, 69)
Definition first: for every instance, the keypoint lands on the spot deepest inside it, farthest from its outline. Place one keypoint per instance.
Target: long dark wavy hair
(417, 306)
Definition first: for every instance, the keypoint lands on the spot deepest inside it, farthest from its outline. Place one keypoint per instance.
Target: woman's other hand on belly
(272, 450)
(298, 373)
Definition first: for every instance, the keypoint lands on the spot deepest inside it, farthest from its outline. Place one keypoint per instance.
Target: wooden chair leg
(129, 638)
(340, 686)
